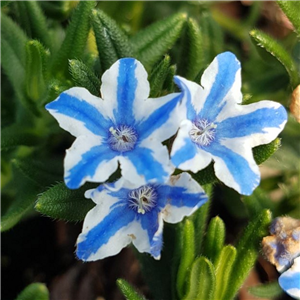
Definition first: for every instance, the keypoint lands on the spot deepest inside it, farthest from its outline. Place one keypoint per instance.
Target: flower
(125, 127)
(218, 127)
(290, 280)
(126, 213)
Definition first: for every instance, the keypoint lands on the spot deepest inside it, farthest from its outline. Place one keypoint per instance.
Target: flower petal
(190, 91)
(290, 280)
(222, 86)
(235, 165)
(182, 195)
(123, 84)
(80, 113)
(88, 160)
(259, 123)
(185, 154)
(149, 162)
(159, 118)
(105, 231)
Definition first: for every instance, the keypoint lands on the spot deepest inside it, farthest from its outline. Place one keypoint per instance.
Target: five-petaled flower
(126, 213)
(218, 127)
(125, 127)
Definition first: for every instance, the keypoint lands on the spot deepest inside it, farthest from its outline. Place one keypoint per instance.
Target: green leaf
(191, 57)
(214, 240)
(266, 42)
(58, 10)
(187, 256)
(34, 291)
(291, 9)
(270, 290)
(263, 152)
(223, 267)
(151, 43)
(17, 135)
(76, 37)
(59, 202)
(202, 280)
(128, 291)
(13, 42)
(5, 3)
(158, 76)
(247, 251)
(32, 20)
(36, 62)
(206, 175)
(84, 76)
(111, 41)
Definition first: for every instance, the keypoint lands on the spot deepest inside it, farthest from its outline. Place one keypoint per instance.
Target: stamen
(203, 132)
(122, 138)
(142, 199)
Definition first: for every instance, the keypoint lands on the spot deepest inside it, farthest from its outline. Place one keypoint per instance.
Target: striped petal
(80, 113)
(180, 197)
(235, 165)
(290, 280)
(122, 85)
(159, 118)
(221, 83)
(88, 160)
(258, 123)
(149, 162)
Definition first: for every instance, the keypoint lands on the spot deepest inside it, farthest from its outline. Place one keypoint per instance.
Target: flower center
(122, 138)
(142, 199)
(203, 132)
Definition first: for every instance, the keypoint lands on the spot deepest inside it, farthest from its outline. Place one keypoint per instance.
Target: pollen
(122, 138)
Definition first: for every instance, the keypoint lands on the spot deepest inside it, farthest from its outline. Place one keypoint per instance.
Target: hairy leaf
(291, 9)
(128, 291)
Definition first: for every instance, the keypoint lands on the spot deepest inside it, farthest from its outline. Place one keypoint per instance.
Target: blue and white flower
(125, 127)
(290, 279)
(218, 127)
(126, 213)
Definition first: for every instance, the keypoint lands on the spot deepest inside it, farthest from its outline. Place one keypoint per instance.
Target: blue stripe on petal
(87, 165)
(254, 122)
(228, 66)
(118, 218)
(157, 118)
(191, 112)
(290, 282)
(127, 84)
(82, 111)
(146, 165)
(185, 153)
(238, 167)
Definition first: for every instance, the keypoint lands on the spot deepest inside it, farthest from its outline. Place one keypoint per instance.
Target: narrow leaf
(291, 9)
(169, 81)
(36, 60)
(269, 290)
(191, 57)
(16, 135)
(266, 42)
(154, 41)
(158, 76)
(187, 256)
(247, 251)
(76, 37)
(214, 240)
(223, 266)
(84, 76)
(34, 291)
(128, 291)
(202, 280)
(31, 18)
(263, 152)
(111, 41)
(59, 202)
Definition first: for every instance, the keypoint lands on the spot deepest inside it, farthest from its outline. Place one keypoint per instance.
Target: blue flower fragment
(218, 127)
(290, 280)
(124, 127)
(126, 213)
